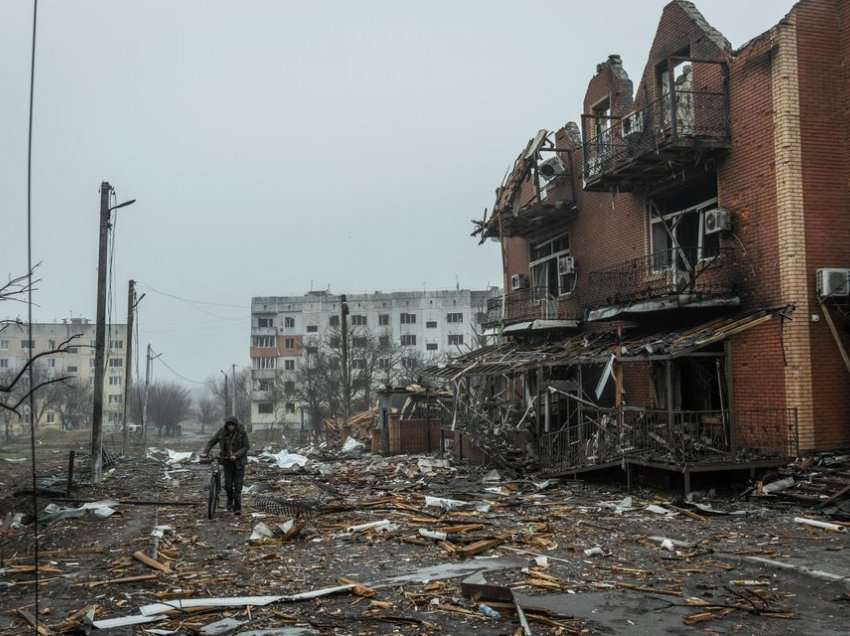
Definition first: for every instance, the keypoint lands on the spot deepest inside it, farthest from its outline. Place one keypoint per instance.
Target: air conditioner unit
(632, 124)
(519, 281)
(717, 220)
(566, 265)
(551, 168)
(833, 282)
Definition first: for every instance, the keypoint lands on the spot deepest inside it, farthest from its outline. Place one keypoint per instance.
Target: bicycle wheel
(212, 501)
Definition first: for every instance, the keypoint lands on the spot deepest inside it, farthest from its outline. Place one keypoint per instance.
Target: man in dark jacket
(233, 440)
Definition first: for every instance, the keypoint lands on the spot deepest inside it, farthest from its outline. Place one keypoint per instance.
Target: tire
(212, 501)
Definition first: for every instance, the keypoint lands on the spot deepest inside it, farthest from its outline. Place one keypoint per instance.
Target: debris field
(352, 543)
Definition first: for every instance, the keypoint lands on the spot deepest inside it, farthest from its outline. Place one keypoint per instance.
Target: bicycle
(215, 484)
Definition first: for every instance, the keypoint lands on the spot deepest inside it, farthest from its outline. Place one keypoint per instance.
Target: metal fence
(680, 119)
(529, 303)
(683, 270)
(605, 436)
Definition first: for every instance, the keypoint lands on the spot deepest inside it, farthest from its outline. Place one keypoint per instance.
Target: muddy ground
(607, 571)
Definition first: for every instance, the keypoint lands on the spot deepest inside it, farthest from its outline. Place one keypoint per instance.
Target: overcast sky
(275, 146)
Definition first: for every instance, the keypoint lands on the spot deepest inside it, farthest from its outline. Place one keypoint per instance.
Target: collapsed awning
(597, 348)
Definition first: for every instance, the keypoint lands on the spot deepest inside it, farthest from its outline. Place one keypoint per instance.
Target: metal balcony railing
(530, 303)
(608, 435)
(683, 270)
(681, 122)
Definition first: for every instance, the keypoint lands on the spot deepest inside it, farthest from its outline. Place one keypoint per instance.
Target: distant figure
(233, 440)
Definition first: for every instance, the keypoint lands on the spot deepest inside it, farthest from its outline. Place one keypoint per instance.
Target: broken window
(289, 322)
(71, 369)
(454, 318)
(682, 94)
(358, 320)
(264, 385)
(384, 341)
(312, 328)
(383, 363)
(408, 319)
(359, 342)
(408, 340)
(289, 386)
(289, 365)
(358, 363)
(681, 235)
(431, 324)
(114, 398)
(455, 339)
(383, 320)
(290, 407)
(264, 341)
(432, 346)
(312, 350)
(289, 343)
(550, 272)
(409, 363)
(333, 321)
(264, 323)
(265, 408)
(116, 363)
(27, 344)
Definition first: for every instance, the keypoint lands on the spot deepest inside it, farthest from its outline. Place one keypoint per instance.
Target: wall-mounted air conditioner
(833, 282)
(551, 168)
(519, 281)
(717, 220)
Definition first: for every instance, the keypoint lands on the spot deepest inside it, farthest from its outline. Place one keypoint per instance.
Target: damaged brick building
(676, 263)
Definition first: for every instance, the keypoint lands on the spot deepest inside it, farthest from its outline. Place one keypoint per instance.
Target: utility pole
(346, 375)
(100, 331)
(145, 401)
(128, 362)
(233, 388)
(226, 395)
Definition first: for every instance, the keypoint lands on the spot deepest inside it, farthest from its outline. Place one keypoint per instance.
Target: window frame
(656, 221)
(552, 257)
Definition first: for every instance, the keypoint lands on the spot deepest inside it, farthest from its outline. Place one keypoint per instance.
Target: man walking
(233, 440)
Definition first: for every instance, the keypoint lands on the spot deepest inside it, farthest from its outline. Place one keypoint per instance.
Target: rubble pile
(346, 544)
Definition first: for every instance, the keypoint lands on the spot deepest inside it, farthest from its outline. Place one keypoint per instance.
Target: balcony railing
(685, 270)
(679, 127)
(530, 303)
(604, 436)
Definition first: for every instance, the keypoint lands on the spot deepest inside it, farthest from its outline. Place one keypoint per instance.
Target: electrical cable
(189, 300)
(177, 373)
(29, 320)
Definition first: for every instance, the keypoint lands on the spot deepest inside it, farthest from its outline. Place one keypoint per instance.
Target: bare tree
(215, 384)
(168, 405)
(208, 411)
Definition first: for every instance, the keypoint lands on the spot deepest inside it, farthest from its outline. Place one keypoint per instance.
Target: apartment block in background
(418, 326)
(77, 363)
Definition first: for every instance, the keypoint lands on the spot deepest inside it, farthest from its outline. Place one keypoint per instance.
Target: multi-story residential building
(411, 327)
(677, 265)
(75, 363)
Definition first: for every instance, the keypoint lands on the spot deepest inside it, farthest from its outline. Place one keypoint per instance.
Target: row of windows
(52, 344)
(359, 320)
(115, 363)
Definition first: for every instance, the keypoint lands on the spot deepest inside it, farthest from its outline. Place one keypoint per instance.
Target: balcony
(666, 280)
(680, 129)
(528, 304)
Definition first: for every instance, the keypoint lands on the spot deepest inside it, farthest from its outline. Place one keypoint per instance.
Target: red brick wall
(822, 61)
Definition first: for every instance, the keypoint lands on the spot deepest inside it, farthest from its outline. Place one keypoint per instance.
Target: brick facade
(785, 179)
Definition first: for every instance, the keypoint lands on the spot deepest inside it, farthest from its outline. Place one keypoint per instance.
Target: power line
(189, 300)
(177, 373)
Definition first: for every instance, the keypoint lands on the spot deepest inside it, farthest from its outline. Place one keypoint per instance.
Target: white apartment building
(76, 363)
(427, 324)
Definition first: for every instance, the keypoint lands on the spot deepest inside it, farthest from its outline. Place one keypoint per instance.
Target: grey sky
(272, 145)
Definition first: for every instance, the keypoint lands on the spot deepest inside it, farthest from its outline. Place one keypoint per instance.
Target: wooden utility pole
(233, 388)
(100, 337)
(226, 395)
(128, 362)
(346, 375)
(145, 401)
(100, 330)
